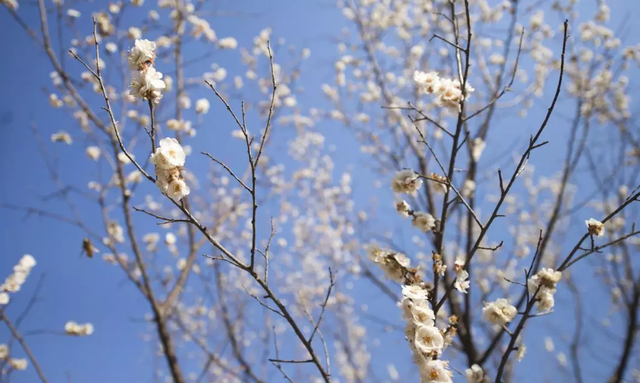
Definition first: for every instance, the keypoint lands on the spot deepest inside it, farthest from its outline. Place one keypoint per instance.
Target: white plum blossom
(477, 147)
(62, 136)
(449, 91)
(403, 208)
(499, 312)
(429, 339)
(227, 43)
(522, 349)
(142, 54)
(595, 227)
(177, 190)
(475, 374)
(18, 364)
(414, 292)
(73, 328)
(169, 154)
(4, 351)
(21, 271)
(462, 282)
(147, 85)
(170, 239)
(544, 282)
(111, 47)
(93, 152)
(423, 221)
(427, 81)
(406, 181)
(4, 298)
(436, 371)
(422, 313)
(202, 106)
(54, 101)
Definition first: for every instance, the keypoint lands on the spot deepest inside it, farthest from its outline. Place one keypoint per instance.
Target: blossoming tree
(257, 270)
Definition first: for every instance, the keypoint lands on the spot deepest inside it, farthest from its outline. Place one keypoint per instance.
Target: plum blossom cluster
(425, 339)
(75, 329)
(168, 158)
(15, 364)
(545, 284)
(14, 281)
(449, 92)
(409, 182)
(395, 265)
(146, 81)
(462, 282)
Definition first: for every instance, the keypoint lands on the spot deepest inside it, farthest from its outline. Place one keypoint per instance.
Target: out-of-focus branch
(25, 347)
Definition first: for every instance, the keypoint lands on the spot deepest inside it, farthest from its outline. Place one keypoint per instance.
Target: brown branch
(25, 347)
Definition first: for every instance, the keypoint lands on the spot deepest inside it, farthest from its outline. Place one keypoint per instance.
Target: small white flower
(202, 106)
(423, 221)
(54, 101)
(170, 239)
(414, 292)
(477, 147)
(227, 43)
(429, 339)
(544, 282)
(522, 349)
(27, 262)
(147, 85)
(499, 312)
(4, 351)
(545, 300)
(427, 81)
(73, 13)
(169, 154)
(142, 54)
(403, 208)
(595, 227)
(462, 283)
(93, 152)
(4, 299)
(111, 47)
(406, 181)
(436, 371)
(177, 190)
(134, 33)
(422, 314)
(62, 136)
(18, 364)
(475, 374)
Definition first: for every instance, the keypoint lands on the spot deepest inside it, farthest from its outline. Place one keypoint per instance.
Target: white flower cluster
(395, 265)
(73, 328)
(15, 364)
(425, 339)
(449, 91)
(545, 283)
(168, 158)
(146, 82)
(14, 281)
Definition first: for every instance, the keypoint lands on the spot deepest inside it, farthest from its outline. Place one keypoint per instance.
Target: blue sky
(85, 290)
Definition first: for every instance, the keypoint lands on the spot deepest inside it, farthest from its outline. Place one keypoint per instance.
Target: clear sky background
(87, 291)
